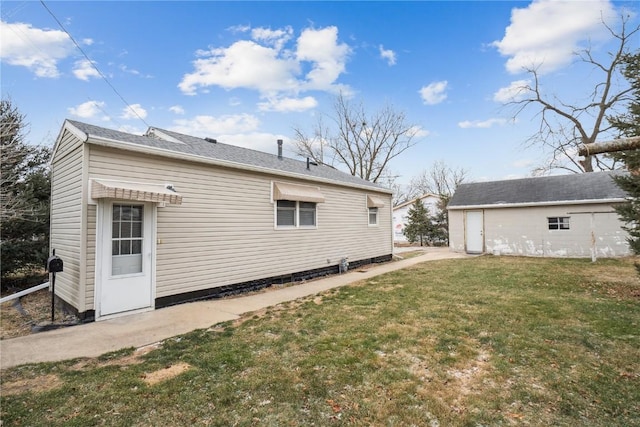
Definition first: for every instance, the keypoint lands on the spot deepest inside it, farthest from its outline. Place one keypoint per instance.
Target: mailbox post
(54, 265)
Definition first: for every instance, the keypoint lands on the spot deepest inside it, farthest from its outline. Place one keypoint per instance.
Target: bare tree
(363, 143)
(614, 146)
(440, 180)
(564, 127)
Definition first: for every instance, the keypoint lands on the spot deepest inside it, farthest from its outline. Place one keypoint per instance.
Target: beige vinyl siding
(224, 231)
(91, 257)
(66, 216)
(456, 231)
(525, 231)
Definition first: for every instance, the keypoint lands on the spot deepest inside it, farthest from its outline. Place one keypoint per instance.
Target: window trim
(555, 223)
(370, 211)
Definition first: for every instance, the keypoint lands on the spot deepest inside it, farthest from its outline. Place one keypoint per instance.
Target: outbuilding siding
(525, 231)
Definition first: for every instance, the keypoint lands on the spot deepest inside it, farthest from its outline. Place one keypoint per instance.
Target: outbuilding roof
(172, 144)
(549, 190)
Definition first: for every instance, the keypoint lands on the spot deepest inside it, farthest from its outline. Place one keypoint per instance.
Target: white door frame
(474, 233)
(104, 214)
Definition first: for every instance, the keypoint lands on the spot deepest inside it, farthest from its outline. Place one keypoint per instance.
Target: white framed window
(374, 203)
(373, 216)
(307, 214)
(286, 215)
(293, 214)
(558, 223)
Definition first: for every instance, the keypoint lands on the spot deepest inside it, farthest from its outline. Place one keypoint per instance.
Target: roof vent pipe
(280, 149)
(310, 163)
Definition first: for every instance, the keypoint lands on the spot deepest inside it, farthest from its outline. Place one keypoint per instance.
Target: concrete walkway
(138, 330)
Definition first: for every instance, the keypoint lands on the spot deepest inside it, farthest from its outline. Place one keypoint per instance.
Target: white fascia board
(73, 130)
(536, 204)
(114, 143)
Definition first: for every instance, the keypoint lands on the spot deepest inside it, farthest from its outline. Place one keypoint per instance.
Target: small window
(286, 215)
(373, 216)
(558, 223)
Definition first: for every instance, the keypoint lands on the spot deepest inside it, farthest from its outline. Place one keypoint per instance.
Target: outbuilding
(554, 216)
(146, 221)
(401, 214)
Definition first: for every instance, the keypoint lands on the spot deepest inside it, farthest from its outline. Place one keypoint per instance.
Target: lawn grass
(480, 341)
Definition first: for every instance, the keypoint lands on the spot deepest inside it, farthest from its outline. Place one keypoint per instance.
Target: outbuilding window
(558, 223)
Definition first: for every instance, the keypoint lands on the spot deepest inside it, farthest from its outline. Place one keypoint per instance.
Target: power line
(95, 67)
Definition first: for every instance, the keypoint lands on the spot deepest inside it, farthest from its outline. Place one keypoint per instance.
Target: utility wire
(95, 67)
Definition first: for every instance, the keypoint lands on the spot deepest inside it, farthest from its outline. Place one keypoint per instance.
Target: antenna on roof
(280, 149)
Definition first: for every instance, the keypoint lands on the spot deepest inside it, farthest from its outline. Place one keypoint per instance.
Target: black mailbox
(54, 264)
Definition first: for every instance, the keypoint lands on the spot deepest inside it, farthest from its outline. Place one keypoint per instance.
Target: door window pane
(125, 230)
(126, 235)
(136, 229)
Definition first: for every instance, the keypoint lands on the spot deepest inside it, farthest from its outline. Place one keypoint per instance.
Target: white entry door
(126, 257)
(473, 232)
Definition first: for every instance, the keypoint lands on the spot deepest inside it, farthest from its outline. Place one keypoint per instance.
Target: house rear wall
(525, 231)
(223, 233)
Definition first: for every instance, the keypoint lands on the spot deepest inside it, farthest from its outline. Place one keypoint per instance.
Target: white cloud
(212, 126)
(260, 141)
(265, 65)
(523, 163)
(483, 124)
(419, 132)
(83, 70)
(37, 49)
(275, 38)
(387, 54)
(328, 58)
(244, 64)
(514, 92)
(133, 111)
(87, 109)
(239, 130)
(434, 93)
(176, 109)
(288, 104)
(239, 28)
(545, 34)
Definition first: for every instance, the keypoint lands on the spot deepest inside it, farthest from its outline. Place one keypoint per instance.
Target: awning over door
(375, 202)
(121, 190)
(295, 192)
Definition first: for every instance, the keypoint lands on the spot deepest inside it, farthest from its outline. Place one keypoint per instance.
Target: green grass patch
(465, 342)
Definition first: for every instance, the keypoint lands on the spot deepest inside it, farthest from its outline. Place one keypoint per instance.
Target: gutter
(535, 204)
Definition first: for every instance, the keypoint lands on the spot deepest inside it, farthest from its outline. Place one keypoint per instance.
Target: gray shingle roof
(225, 152)
(548, 189)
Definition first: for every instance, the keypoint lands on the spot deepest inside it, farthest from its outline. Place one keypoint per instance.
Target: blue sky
(247, 73)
